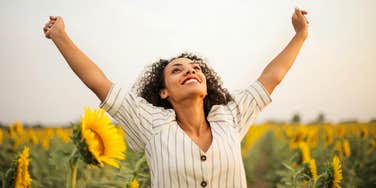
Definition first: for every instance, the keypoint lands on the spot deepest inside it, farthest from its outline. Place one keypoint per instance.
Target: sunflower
(340, 131)
(23, 177)
(328, 135)
(97, 140)
(371, 145)
(312, 169)
(1, 136)
(364, 133)
(18, 175)
(297, 137)
(47, 135)
(305, 152)
(63, 134)
(338, 148)
(16, 128)
(336, 173)
(134, 183)
(346, 148)
(252, 136)
(313, 138)
(309, 170)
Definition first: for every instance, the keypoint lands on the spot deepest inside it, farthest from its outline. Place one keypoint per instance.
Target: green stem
(73, 164)
(317, 179)
(74, 175)
(139, 163)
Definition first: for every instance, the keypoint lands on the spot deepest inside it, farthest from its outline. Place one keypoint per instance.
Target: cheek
(171, 83)
(205, 82)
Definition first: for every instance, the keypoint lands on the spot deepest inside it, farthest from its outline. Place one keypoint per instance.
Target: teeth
(190, 80)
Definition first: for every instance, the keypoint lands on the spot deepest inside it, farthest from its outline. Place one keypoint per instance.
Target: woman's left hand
(300, 22)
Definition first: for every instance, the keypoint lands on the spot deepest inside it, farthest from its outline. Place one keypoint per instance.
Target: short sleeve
(247, 104)
(133, 113)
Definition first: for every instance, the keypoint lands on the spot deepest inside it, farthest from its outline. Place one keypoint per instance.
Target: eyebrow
(179, 64)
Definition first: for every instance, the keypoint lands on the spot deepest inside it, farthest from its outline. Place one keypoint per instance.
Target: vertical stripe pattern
(173, 158)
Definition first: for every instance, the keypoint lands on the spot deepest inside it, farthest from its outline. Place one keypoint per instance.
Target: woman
(188, 125)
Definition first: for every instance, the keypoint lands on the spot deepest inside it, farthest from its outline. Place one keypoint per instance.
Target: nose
(190, 70)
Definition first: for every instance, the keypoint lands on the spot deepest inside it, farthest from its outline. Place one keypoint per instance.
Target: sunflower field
(92, 153)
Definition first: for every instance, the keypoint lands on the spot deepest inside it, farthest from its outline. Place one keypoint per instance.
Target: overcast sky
(335, 72)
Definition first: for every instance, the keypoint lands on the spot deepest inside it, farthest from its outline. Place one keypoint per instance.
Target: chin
(196, 92)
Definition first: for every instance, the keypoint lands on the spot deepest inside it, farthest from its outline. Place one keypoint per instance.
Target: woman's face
(183, 79)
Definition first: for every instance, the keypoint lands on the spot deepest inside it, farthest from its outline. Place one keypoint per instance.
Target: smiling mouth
(190, 80)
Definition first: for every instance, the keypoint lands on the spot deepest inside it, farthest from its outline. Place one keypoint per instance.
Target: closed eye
(175, 71)
(197, 67)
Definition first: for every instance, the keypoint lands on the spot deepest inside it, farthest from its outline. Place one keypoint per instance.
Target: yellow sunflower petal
(134, 184)
(337, 172)
(312, 168)
(23, 179)
(105, 142)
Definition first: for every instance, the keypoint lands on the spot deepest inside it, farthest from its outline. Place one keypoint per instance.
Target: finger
(47, 34)
(302, 12)
(46, 27)
(297, 10)
(52, 18)
(294, 16)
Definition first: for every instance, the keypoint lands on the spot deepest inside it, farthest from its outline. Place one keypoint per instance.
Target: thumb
(52, 18)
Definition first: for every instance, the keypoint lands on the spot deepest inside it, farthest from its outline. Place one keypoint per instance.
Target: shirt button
(203, 158)
(204, 184)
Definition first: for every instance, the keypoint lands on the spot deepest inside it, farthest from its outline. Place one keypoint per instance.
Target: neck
(191, 116)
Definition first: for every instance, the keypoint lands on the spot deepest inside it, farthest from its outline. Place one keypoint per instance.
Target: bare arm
(276, 70)
(89, 73)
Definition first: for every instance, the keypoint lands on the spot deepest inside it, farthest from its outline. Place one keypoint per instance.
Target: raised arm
(89, 73)
(276, 70)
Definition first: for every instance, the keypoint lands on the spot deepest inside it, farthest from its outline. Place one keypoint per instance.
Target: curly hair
(152, 82)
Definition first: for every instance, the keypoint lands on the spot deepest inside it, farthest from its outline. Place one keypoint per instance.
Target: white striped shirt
(173, 158)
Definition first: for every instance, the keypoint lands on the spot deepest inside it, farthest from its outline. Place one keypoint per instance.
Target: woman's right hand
(54, 28)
